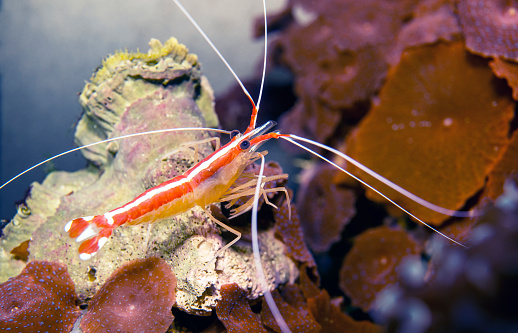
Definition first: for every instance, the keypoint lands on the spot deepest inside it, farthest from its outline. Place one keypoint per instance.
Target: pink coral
(490, 27)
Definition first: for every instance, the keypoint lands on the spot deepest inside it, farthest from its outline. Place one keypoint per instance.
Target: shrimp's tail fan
(91, 231)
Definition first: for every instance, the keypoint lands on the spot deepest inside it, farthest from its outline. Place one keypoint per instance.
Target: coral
(325, 208)
(333, 319)
(311, 121)
(506, 70)
(137, 297)
(308, 287)
(371, 264)
(423, 120)
(234, 311)
(40, 299)
(337, 52)
(438, 122)
(132, 93)
(490, 27)
(432, 22)
(291, 233)
(294, 311)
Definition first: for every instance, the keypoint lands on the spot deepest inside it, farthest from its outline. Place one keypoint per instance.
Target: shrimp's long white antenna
(207, 39)
(382, 179)
(255, 241)
(257, 255)
(114, 139)
(264, 57)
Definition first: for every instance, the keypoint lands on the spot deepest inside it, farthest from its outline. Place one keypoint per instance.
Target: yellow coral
(171, 47)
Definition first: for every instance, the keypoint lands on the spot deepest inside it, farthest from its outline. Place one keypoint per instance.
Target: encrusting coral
(40, 299)
(137, 297)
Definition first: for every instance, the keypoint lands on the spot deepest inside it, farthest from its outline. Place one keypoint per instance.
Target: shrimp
(207, 182)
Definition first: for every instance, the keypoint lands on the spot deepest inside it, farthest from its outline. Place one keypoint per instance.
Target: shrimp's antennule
(91, 231)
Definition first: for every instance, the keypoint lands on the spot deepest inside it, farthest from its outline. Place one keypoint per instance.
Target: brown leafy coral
(423, 119)
(234, 311)
(293, 309)
(325, 208)
(371, 264)
(290, 231)
(41, 298)
(304, 307)
(490, 27)
(137, 297)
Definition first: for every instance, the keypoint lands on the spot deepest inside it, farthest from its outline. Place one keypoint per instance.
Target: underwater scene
(404, 220)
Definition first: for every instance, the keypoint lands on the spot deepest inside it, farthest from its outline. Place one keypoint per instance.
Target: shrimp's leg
(232, 230)
(248, 205)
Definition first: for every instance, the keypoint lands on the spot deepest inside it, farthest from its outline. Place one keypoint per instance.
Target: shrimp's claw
(92, 231)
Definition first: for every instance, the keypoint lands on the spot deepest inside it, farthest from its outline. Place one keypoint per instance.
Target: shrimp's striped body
(205, 183)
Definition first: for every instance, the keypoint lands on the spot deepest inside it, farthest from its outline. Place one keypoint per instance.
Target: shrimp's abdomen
(166, 200)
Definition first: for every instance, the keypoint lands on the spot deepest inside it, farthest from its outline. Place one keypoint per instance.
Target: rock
(132, 93)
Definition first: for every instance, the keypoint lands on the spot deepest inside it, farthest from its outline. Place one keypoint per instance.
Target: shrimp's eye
(245, 144)
(234, 133)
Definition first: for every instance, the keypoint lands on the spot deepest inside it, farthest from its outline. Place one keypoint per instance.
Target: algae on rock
(132, 93)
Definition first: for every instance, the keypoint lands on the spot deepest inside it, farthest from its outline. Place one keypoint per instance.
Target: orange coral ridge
(138, 296)
(41, 298)
(506, 70)
(439, 128)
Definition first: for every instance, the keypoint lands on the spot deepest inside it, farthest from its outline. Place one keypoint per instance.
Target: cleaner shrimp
(253, 137)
